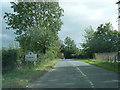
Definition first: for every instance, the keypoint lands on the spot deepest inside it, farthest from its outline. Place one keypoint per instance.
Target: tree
(108, 37)
(69, 48)
(87, 45)
(69, 42)
(38, 39)
(104, 39)
(35, 15)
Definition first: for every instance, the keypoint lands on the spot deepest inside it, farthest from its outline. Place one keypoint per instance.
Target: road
(76, 74)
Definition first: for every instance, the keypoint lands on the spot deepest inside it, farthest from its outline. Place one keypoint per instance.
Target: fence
(113, 56)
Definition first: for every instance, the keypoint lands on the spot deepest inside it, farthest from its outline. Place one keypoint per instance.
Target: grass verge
(22, 78)
(106, 65)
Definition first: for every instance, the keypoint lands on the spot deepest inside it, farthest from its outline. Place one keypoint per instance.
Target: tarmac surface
(76, 74)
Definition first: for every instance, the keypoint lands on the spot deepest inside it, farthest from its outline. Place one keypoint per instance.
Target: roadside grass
(23, 77)
(106, 65)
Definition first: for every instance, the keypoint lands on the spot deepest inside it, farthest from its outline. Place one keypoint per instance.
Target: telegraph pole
(118, 15)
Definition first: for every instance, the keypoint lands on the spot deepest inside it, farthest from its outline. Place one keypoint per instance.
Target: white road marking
(90, 82)
(80, 71)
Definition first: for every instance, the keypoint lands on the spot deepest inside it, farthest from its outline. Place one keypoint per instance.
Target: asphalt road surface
(76, 74)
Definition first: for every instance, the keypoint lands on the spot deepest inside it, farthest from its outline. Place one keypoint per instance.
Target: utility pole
(118, 15)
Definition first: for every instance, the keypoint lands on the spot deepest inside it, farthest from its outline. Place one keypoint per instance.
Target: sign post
(31, 57)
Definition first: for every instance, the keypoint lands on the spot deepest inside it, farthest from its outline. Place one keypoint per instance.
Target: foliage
(69, 48)
(118, 41)
(12, 59)
(9, 59)
(45, 14)
(104, 39)
(41, 20)
(38, 39)
(36, 25)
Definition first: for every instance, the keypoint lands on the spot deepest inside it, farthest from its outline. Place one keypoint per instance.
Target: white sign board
(31, 57)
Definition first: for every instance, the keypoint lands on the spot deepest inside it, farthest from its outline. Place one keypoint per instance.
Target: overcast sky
(78, 15)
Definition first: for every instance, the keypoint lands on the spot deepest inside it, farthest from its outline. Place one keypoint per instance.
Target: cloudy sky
(78, 15)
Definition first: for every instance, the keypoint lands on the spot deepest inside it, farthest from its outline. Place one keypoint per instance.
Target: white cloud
(115, 25)
(80, 14)
(88, 1)
(5, 36)
(6, 0)
(96, 15)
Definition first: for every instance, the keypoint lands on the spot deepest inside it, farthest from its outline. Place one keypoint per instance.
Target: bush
(9, 59)
(50, 55)
(15, 59)
(41, 57)
(21, 58)
(12, 59)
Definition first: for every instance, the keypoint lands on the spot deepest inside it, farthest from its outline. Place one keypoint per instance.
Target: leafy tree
(104, 39)
(108, 37)
(87, 45)
(69, 42)
(42, 16)
(69, 48)
(39, 39)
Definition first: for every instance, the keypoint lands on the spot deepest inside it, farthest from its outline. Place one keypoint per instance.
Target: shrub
(50, 55)
(9, 59)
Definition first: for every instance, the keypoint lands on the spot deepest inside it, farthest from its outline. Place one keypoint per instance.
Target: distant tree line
(104, 39)
(69, 48)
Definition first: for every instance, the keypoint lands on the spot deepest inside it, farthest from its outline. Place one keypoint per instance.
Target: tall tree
(27, 15)
(104, 39)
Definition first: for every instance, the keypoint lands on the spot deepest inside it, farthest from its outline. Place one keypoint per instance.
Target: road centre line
(80, 71)
(90, 82)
